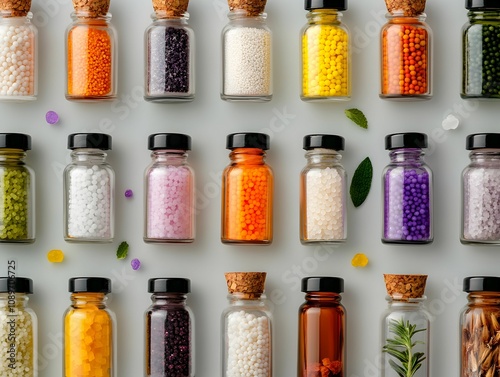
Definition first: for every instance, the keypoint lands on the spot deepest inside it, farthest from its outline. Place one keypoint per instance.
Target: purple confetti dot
(51, 117)
(129, 193)
(136, 264)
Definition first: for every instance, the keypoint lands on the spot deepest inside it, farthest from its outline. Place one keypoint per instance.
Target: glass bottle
(480, 41)
(246, 182)
(326, 53)
(322, 328)
(169, 329)
(407, 188)
(170, 198)
(406, 52)
(170, 50)
(89, 190)
(247, 53)
(323, 191)
(246, 327)
(405, 315)
(19, 57)
(479, 327)
(17, 190)
(18, 328)
(91, 52)
(481, 190)
(89, 330)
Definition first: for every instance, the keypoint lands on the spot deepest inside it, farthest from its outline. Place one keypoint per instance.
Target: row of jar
(247, 191)
(247, 331)
(91, 53)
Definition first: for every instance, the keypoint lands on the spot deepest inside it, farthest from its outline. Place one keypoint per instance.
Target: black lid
(482, 284)
(325, 4)
(93, 285)
(169, 285)
(15, 141)
(326, 141)
(169, 141)
(482, 4)
(94, 140)
(479, 141)
(406, 140)
(247, 140)
(323, 284)
(17, 285)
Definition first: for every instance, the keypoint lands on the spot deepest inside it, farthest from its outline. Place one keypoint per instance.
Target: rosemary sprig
(401, 347)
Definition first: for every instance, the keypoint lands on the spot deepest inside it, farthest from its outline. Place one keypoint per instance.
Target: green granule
(14, 203)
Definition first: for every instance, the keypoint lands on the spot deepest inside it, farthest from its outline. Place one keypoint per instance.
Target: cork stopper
(409, 8)
(404, 287)
(171, 7)
(16, 8)
(250, 284)
(94, 8)
(253, 7)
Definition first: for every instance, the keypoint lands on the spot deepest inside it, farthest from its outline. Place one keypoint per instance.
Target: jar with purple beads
(169, 74)
(169, 330)
(407, 188)
(170, 199)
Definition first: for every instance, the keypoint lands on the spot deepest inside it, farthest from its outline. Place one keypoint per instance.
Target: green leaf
(357, 117)
(122, 251)
(361, 182)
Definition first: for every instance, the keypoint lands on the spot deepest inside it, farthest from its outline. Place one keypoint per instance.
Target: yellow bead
(55, 256)
(359, 260)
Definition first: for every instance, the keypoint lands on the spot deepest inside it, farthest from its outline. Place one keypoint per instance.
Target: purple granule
(51, 117)
(129, 193)
(136, 264)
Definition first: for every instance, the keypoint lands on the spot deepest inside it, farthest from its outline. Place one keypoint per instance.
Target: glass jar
(406, 53)
(247, 191)
(19, 58)
(480, 41)
(17, 190)
(91, 52)
(18, 328)
(481, 190)
(169, 329)
(170, 58)
(326, 53)
(323, 191)
(170, 190)
(479, 327)
(89, 330)
(246, 327)
(89, 190)
(322, 328)
(247, 57)
(405, 328)
(407, 188)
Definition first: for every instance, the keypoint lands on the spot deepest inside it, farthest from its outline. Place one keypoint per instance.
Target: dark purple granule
(169, 64)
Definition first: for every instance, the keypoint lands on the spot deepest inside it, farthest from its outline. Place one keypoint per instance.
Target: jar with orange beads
(91, 53)
(89, 330)
(247, 191)
(406, 52)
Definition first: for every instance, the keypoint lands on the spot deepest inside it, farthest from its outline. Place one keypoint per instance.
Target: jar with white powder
(170, 199)
(18, 52)
(323, 191)
(89, 185)
(247, 53)
(481, 190)
(246, 327)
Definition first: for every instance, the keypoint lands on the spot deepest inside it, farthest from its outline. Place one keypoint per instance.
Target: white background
(208, 120)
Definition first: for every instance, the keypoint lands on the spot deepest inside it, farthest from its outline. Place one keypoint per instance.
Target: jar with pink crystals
(169, 189)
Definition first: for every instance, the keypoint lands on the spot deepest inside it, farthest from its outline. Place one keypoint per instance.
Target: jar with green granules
(17, 183)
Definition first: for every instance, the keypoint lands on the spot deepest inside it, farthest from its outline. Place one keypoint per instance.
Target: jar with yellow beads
(326, 53)
(89, 330)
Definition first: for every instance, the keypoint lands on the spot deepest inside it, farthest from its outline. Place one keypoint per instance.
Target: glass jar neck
(493, 15)
(323, 297)
(90, 17)
(406, 155)
(399, 17)
(252, 156)
(327, 16)
(173, 157)
(171, 299)
(238, 14)
(163, 15)
(483, 298)
(88, 155)
(320, 155)
(85, 299)
(20, 302)
(409, 303)
(12, 156)
(12, 15)
(238, 298)
(479, 155)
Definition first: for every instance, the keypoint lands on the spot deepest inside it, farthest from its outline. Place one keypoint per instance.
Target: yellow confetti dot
(359, 260)
(55, 256)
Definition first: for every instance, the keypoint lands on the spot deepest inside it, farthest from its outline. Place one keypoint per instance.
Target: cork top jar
(247, 285)
(92, 8)
(15, 8)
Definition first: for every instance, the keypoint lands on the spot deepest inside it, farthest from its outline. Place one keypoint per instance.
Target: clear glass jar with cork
(18, 52)
(246, 327)
(170, 54)
(405, 327)
(91, 53)
(406, 52)
(247, 53)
